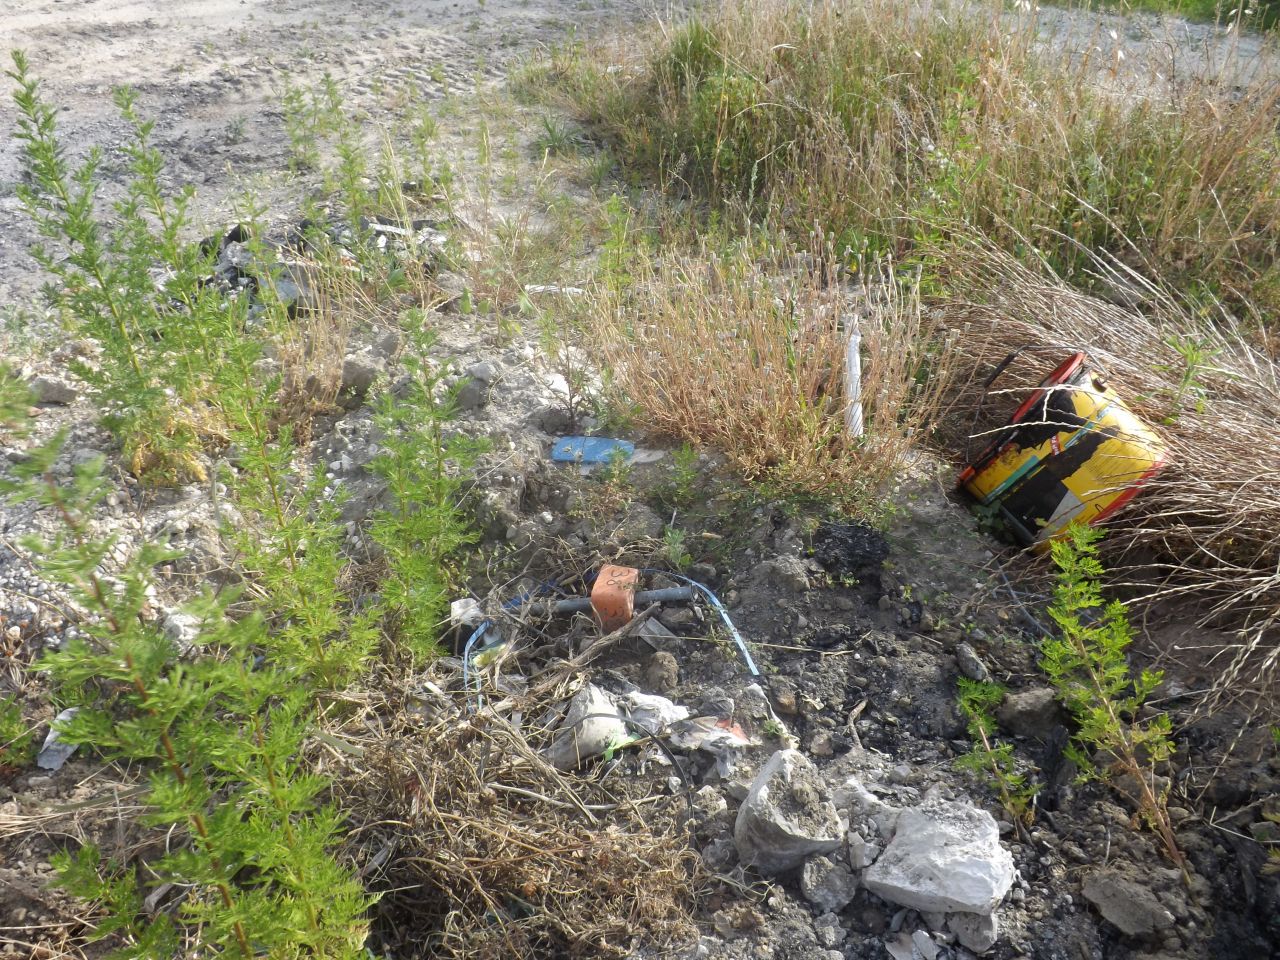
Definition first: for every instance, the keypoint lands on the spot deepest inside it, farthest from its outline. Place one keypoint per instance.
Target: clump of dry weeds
(748, 355)
(887, 124)
(482, 849)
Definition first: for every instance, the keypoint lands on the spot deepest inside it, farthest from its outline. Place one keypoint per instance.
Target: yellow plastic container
(1072, 452)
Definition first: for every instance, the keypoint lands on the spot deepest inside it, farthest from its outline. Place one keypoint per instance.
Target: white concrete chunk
(945, 856)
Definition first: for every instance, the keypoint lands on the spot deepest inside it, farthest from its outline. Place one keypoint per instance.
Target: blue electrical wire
(724, 615)
(514, 602)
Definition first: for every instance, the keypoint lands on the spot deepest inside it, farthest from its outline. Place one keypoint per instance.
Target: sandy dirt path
(212, 74)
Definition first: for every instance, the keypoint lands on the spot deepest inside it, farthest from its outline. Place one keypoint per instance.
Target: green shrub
(989, 757)
(17, 739)
(169, 351)
(250, 840)
(1087, 665)
(425, 469)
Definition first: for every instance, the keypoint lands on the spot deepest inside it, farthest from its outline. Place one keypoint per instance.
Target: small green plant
(991, 758)
(424, 468)
(616, 472)
(555, 137)
(773, 729)
(1086, 663)
(16, 737)
(173, 354)
(236, 130)
(1190, 392)
(674, 550)
(560, 333)
(309, 117)
(684, 474)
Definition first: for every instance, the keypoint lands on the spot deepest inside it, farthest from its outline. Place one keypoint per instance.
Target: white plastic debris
(853, 381)
(55, 751)
(655, 714)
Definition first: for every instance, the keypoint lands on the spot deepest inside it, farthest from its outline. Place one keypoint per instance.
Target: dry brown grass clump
(745, 356)
(887, 124)
(1208, 529)
(483, 850)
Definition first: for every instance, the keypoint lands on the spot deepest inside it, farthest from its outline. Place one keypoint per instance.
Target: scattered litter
(554, 288)
(590, 449)
(651, 712)
(465, 612)
(591, 728)
(613, 596)
(56, 751)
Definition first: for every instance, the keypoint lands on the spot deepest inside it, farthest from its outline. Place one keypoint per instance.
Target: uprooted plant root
(483, 850)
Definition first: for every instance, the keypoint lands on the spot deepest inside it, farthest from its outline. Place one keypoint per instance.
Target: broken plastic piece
(56, 751)
(853, 381)
(590, 449)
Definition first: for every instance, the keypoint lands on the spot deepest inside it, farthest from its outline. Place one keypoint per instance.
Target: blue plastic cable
(518, 601)
(719, 608)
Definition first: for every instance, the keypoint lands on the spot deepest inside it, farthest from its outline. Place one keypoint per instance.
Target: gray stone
(826, 884)
(1127, 904)
(944, 856)
(662, 672)
(924, 945)
(828, 931)
(971, 664)
(1030, 713)
(359, 371)
(785, 573)
(862, 853)
(641, 522)
(182, 628)
(386, 346)
(51, 390)
(977, 931)
(471, 395)
(785, 816)
(484, 372)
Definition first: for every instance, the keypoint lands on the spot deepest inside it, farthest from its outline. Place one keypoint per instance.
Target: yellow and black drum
(1072, 452)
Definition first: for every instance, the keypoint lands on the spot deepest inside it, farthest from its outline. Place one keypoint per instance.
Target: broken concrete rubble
(945, 856)
(827, 884)
(785, 816)
(1130, 906)
(977, 931)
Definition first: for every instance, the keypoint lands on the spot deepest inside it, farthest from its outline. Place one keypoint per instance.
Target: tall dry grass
(1206, 532)
(892, 126)
(746, 354)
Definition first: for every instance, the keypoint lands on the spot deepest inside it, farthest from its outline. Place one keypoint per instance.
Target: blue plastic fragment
(589, 449)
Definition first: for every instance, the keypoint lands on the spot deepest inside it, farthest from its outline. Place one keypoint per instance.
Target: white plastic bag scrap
(652, 712)
(55, 751)
(722, 738)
